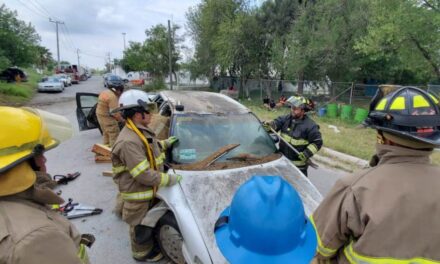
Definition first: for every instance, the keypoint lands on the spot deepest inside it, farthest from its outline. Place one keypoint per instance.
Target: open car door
(85, 111)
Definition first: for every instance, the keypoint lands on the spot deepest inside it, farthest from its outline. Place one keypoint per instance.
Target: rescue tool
(309, 161)
(76, 210)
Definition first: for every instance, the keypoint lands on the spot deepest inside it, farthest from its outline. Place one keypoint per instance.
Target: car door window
(84, 104)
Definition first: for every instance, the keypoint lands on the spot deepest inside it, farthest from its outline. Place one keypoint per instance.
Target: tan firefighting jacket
(107, 101)
(31, 233)
(386, 214)
(134, 174)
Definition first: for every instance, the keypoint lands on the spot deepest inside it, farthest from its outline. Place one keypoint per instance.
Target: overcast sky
(95, 27)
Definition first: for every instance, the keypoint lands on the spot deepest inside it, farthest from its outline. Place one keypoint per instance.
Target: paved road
(112, 243)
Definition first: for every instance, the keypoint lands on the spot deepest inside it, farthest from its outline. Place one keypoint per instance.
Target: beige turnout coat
(383, 214)
(30, 233)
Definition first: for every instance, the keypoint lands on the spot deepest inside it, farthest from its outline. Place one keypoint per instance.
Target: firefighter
(107, 102)
(273, 228)
(29, 231)
(388, 213)
(299, 130)
(138, 159)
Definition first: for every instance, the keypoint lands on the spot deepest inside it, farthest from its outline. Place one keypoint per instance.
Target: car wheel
(169, 238)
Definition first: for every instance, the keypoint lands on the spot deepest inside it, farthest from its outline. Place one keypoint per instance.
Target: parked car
(206, 125)
(113, 80)
(65, 78)
(51, 84)
(13, 74)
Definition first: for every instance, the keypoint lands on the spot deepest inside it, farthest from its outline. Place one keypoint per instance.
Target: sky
(95, 27)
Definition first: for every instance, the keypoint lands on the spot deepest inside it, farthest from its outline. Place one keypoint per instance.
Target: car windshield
(202, 135)
(52, 79)
(114, 78)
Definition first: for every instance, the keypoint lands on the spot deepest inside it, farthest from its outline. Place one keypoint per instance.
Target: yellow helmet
(25, 132)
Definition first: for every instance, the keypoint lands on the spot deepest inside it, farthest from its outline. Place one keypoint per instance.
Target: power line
(32, 10)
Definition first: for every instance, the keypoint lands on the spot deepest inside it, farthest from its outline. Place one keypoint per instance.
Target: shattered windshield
(201, 135)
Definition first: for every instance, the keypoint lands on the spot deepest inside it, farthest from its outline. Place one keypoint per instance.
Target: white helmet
(135, 98)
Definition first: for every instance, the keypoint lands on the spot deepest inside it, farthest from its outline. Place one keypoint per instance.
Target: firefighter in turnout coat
(30, 232)
(388, 213)
(299, 130)
(138, 159)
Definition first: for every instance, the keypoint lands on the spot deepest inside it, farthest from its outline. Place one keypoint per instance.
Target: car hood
(208, 193)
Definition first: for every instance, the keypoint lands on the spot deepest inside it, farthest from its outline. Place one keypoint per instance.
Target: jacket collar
(394, 154)
(146, 129)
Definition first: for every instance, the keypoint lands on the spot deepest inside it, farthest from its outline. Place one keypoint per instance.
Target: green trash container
(346, 112)
(332, 110)
(360, 115)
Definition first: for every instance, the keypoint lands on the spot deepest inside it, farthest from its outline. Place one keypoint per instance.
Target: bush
(157, 83)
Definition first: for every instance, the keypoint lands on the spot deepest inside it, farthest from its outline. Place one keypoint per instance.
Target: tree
(18, 40)
(404, 34)
(204, 23)
(153, 54)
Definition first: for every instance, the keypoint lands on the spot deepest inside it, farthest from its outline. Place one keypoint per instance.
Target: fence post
(351, 92)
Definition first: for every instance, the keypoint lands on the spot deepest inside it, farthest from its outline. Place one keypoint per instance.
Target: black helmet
(407, 112)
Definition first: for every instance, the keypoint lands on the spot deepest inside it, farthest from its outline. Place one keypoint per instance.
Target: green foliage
(406, 36)
(204, 23)
(153, 55)
(11, 93)
(395, 41)
(18, 40)
(157, 84)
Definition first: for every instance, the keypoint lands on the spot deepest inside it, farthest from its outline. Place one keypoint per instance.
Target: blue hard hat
(265, 223)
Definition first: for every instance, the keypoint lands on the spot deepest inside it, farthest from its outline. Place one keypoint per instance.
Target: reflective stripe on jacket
(132, 171)
(385, 214)
(302, 134)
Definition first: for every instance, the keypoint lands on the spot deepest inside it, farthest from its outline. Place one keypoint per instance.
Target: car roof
(203, 102)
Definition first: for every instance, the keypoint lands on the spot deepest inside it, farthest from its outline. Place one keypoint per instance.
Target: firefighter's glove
(167, 143)
(171, 140)
(169, 179)
(302, 156)
(305, 155)
(267, 126)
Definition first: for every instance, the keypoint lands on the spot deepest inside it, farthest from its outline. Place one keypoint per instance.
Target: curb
(340, 160)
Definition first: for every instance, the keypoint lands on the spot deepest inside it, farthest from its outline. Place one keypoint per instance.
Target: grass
(19, 93)
(350, 139)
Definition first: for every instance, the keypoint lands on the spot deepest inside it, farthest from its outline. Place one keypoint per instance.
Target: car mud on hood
(208, 193)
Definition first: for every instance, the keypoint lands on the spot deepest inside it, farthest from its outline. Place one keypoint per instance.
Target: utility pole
(77, 54)
(58, 43)
(170, 55)
(123, 36)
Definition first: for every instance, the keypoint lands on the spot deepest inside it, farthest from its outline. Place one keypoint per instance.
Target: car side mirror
(125, 80)
(275, 137)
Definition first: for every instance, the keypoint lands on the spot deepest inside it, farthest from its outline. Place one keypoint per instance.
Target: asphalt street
(91, 188)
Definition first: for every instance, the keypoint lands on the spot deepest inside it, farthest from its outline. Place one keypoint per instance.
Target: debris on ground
(335, 128)
(102, 153)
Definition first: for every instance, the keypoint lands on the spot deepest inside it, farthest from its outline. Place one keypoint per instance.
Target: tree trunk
(428, 57)
(301, 82)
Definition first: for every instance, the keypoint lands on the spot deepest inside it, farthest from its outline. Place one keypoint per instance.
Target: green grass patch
(19, 93)
(352, 140)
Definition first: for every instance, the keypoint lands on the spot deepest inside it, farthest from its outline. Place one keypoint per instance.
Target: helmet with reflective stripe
(136, 100)
(25, 133)
(301, 102)
(265, 223)
(406, 112)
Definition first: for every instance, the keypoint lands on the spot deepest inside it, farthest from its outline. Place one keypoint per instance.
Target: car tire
(169, 238)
